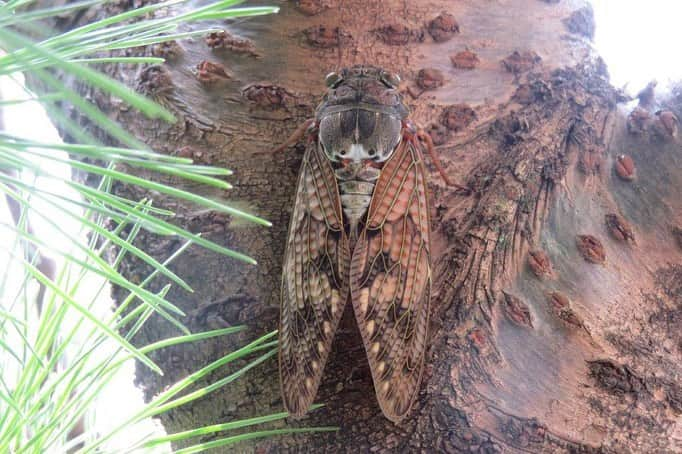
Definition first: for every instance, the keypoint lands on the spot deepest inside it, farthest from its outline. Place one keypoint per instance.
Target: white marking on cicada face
(357, 135)
(357, 152)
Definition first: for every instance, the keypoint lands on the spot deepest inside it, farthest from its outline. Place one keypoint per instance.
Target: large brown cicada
(360, 232)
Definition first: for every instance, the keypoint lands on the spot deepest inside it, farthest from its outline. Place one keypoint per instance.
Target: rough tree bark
(555, 328)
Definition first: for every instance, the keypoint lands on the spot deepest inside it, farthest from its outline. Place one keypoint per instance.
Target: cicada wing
(314, 281)
(390, 281)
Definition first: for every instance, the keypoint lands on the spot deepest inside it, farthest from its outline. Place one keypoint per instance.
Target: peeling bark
(585, 359)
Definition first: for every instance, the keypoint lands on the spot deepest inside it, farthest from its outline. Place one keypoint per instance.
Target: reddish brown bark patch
(539, 263)
(637, 120)
(591, 249)
(619, 228)
(668, 122)
(267, 95)
(625, 167)
(398, 34)
(519, 62)
(443, 27)
(430, 78)
(224, 40)
(560, 306)
(210, 73)
(517, 311)
(324, 37)
(465, 60)
(457, 117)
(558, 301)
(169, 50)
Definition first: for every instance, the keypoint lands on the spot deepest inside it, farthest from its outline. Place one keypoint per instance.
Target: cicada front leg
(427, 143)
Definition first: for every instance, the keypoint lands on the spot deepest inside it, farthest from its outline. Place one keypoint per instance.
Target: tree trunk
(554, 327)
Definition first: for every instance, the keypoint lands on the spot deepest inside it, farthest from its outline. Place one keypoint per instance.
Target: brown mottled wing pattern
(390, 281)
(314, 281)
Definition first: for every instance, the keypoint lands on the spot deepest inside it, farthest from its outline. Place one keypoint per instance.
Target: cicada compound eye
(391, 80)
(333, 79)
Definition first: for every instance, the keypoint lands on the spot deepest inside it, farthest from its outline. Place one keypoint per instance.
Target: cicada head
(361, 115)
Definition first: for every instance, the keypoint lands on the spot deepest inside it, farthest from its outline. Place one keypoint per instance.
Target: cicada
(359, 232)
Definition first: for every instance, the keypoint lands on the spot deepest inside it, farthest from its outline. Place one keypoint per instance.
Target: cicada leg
(430, 149)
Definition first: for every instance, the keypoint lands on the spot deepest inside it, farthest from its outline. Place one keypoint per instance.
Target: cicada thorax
(360, 126)
(358, 144)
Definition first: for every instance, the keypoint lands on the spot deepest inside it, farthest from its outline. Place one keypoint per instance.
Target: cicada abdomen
(359, 231)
